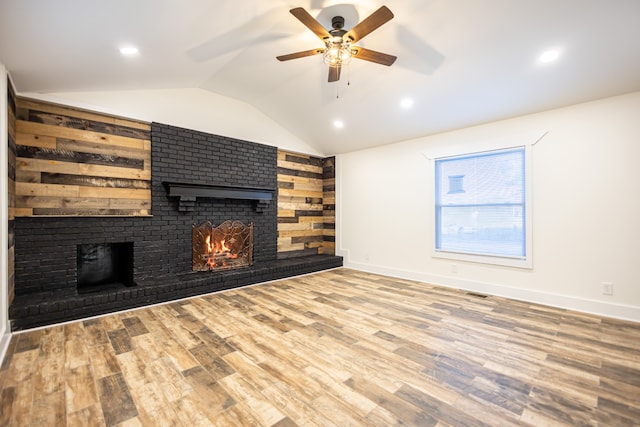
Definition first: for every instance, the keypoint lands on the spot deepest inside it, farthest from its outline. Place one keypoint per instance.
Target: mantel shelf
(188, 193)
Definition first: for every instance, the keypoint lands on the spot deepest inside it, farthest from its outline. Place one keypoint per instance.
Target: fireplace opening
(225, 247)
(103, 266)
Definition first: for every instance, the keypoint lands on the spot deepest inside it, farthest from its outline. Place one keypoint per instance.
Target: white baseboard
(601, 308)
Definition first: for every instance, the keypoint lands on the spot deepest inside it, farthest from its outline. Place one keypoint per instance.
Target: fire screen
(227, 246)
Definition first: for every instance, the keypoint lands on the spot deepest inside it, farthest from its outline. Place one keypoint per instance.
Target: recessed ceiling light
(406, 103)
(338, 123)
(549, 56)
(129, 50)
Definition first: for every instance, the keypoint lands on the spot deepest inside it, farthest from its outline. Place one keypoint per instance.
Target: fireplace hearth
(225, 247)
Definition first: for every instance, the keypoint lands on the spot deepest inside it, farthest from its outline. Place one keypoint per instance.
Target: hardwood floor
(335, 348)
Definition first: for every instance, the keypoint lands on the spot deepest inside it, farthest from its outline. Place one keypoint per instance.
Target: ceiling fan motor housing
(337, 22)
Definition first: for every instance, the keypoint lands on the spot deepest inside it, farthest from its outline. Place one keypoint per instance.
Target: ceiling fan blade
(371, 22)
(373, 56)
(334, 73)
(310, 22)
(302, 54)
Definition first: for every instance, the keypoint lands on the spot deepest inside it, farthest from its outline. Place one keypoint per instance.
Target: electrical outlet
(454, 268)
(607, 288)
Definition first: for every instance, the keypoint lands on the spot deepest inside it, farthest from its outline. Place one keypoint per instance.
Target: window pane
(480, 204)
(488, 230)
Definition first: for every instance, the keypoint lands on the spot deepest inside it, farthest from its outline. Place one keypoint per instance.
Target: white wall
(4, 215)
(189, 108)
(586, 209)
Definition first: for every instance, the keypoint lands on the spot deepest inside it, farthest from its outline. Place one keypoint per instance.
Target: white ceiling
(463, 62)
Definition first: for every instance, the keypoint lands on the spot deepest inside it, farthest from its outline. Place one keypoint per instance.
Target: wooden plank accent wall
(11, 190)
(329, 205)
(301, 215)
(72, 162)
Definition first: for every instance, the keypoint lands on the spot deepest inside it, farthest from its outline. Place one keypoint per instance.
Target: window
(481, 208)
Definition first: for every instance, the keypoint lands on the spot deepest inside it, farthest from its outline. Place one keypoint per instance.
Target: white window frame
(519, 141)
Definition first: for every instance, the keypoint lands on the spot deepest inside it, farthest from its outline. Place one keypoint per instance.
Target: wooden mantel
(188, 193)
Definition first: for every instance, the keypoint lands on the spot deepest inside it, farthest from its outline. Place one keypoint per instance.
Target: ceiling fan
(339, 43)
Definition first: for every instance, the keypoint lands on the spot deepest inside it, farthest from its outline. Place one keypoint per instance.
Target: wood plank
(241, 390)
(293, 166)
(300, 193)
(79, 157)
(120, 340)
(296, 233)
(294, 184)
(29, 176)
(86, 212)
(11, 123)
(72, 121)
(85, 417)
(80, 390)
(103, 149)
(49, 410)
(33, 140)
(48, 190)
(103, 361)
(286, 213)
(68, 133)
(298, 226)
(36, 165)
(116, 401)
(85, 181)
(312, 219)
(290, 247)
(301, 201)
(115, 193)
(23, 212)
(27, 104)
(300, 173)
(316, 182)
(305, 209)
(60, 205)
(50, 375)
(77, 203)
(130, 205)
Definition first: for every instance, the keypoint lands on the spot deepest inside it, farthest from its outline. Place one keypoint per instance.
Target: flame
(217, 248)
(211, 262)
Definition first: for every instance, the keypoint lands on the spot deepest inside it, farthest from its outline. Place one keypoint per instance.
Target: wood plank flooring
(335, 348)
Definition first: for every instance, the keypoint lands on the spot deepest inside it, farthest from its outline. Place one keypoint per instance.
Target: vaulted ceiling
(460, 62)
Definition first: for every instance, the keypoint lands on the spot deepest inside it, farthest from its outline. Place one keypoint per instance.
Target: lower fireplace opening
(104, 266)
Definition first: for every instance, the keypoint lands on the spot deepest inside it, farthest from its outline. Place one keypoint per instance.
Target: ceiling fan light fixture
(337, 53)
(339, 44)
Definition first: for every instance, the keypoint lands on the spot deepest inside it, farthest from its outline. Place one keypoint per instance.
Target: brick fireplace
(47, 248)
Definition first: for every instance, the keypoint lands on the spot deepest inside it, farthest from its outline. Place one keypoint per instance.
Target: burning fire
(227, 246)
(218, 251)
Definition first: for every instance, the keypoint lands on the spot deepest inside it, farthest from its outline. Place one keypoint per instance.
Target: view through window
(480, 203)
